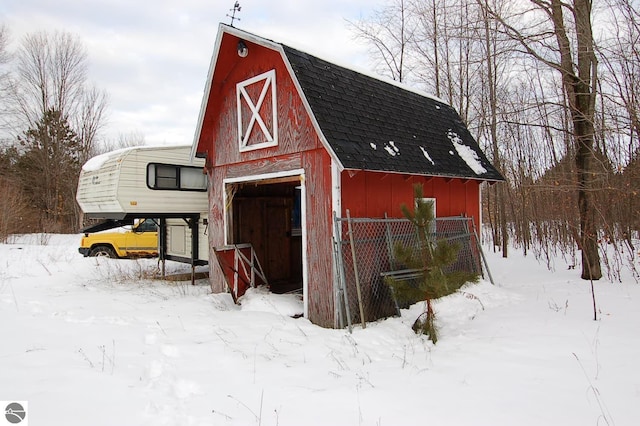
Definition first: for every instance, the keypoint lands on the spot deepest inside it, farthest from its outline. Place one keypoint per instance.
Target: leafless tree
(444, 51)
(559, 35)
(89, 119)
(15, 214)
(428, 43)
(50, 72)
(564, 130)
(619, 124)
(130, 139)
(4, 76)
(50, 77)
(4, 44)
(389, 34)
(491, 58)
(620, 80)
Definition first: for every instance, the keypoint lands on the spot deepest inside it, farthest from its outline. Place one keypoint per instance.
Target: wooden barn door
(262, 216)
(278, 250)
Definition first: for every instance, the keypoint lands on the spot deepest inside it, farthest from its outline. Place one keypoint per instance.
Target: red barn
(289, 139)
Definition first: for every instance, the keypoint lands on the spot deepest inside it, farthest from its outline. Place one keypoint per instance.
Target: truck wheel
(103, 251)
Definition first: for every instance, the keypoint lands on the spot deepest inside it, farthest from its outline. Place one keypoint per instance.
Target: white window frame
(182, 183)
(426, 200)
(242, 96)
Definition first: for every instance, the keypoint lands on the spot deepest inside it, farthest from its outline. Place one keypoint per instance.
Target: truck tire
(104, 251)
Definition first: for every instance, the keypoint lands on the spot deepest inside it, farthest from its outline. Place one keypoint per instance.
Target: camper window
(192, 178)
(170, 176)
(166, 177)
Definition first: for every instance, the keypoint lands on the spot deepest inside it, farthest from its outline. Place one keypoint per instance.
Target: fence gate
(364, 254)
(241, 268)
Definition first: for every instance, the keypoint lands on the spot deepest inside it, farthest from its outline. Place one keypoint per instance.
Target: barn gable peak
(363, 122)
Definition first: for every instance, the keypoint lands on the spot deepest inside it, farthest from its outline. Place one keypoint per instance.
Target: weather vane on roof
(236, 8)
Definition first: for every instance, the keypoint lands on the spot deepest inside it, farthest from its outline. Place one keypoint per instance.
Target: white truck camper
(158, 182)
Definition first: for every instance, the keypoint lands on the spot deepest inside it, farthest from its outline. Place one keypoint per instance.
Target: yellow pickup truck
(140, 241)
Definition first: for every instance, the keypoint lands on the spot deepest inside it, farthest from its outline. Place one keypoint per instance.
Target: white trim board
(303, 213)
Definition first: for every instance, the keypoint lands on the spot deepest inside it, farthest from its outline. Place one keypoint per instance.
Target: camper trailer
(154, 182)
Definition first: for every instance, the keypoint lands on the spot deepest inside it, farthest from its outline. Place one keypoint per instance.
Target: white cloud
(153, 60)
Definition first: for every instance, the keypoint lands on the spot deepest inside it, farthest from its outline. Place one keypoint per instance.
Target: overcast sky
(152, 57)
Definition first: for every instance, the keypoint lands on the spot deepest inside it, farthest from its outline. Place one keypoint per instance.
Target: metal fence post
(372, 254)
(484, 259)
(387, 233)
(342, 295)
(355, 270)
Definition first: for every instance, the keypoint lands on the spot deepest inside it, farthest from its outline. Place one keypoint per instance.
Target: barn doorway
(268, 214)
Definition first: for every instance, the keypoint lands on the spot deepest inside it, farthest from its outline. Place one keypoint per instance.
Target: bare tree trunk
(578, 68)
(435, 41)
(580, 89)
(5, 119)
(493, 128)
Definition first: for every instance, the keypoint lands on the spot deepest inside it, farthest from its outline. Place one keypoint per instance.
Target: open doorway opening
(267, 213)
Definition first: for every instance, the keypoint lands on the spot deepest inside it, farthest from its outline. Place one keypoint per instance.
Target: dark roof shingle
(374, 125)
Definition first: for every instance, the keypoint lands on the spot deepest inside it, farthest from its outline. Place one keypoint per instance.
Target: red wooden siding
(320, 292)
(319, 254)
(372, 194)
(236, 265)
(216, 227)
(299, 147)
(295, 132)
(365, 194)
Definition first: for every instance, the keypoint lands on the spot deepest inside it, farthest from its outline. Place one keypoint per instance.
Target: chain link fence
(365, 254)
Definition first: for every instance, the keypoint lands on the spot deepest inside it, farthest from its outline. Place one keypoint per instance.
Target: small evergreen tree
(430, 259)
(48, 167)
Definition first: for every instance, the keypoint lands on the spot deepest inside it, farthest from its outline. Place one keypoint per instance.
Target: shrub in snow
(426, 263)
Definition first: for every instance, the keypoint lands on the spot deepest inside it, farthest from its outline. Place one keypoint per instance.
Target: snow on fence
(364, 254)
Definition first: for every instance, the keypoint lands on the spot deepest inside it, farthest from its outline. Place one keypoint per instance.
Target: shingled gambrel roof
(374, 125)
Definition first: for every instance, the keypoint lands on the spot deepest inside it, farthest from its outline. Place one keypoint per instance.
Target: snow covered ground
(89, 341)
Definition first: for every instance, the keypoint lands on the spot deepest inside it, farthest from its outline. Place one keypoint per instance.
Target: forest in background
(548, 88)
(51, 117)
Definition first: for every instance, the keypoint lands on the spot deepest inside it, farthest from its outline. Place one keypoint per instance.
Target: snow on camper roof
(95, 163)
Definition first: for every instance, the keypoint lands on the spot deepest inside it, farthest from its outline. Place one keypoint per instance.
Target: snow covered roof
(371, 124)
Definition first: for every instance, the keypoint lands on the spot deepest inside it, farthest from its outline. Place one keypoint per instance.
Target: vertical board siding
(365, 194)
(216, 228)
(354, 195)
(374, 194)
(379, 199)
(442, 193)
(317, 166)
(473, 202)
(295, 131)
(299, 147)
(457, 198)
